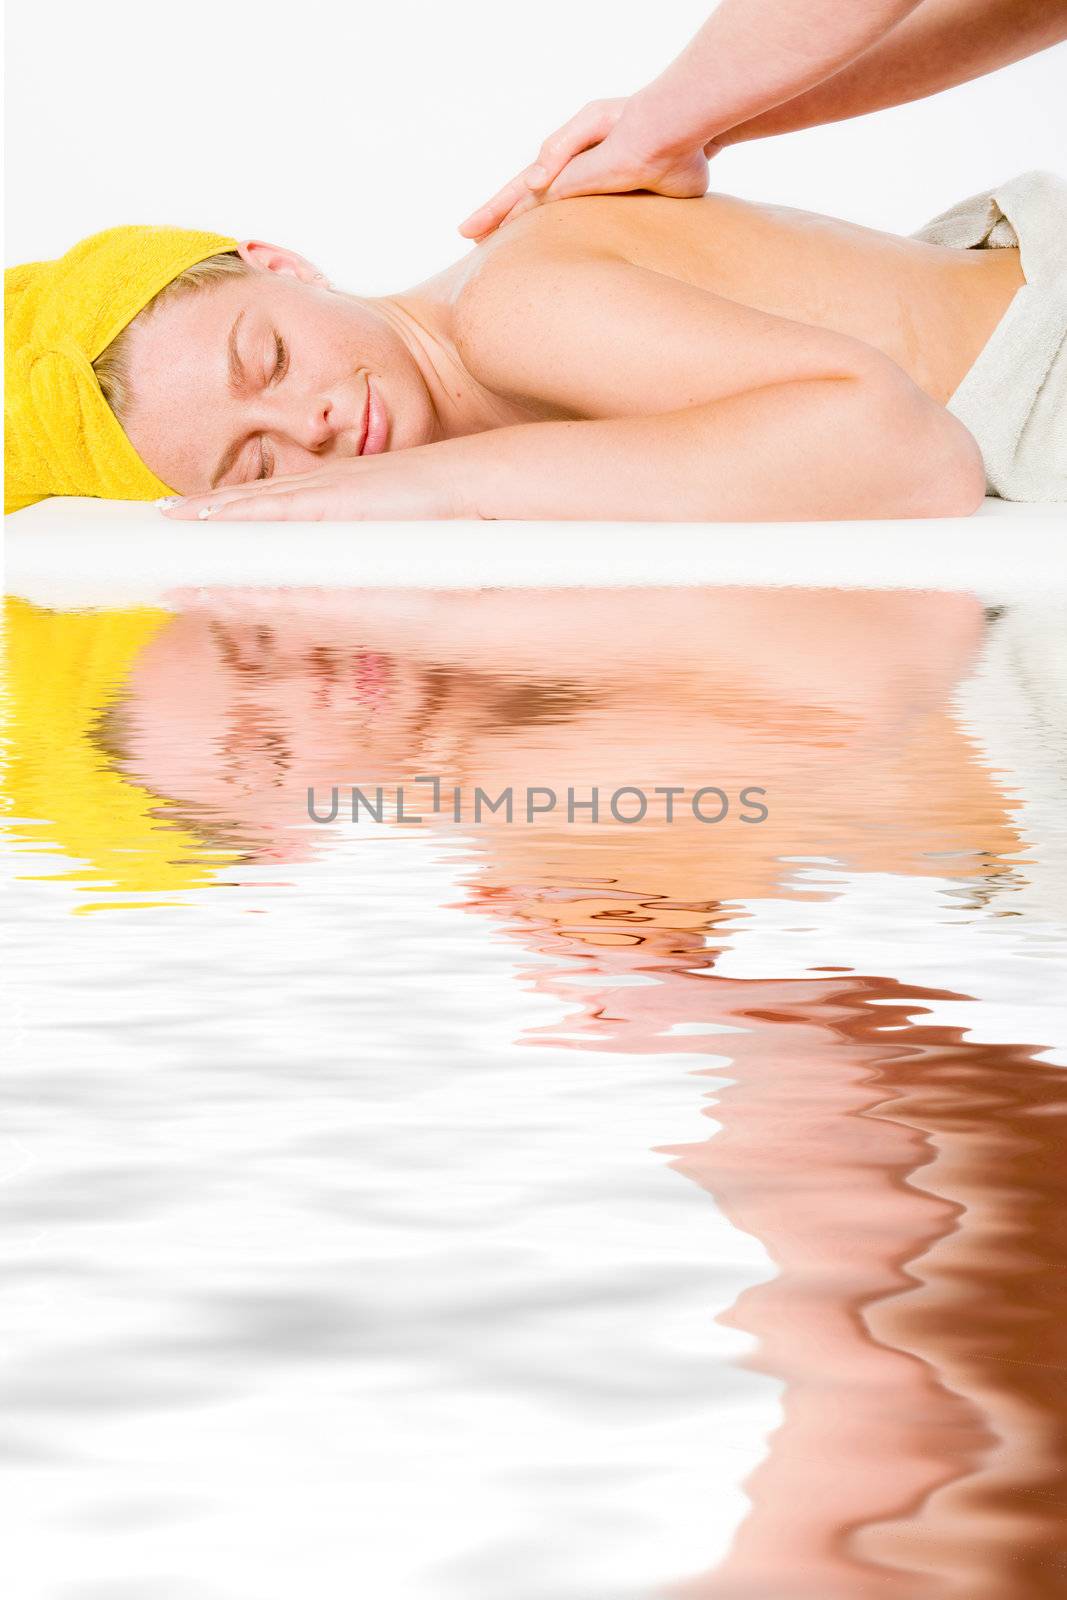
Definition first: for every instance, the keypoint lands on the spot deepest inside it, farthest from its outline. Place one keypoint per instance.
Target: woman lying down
(605, 357)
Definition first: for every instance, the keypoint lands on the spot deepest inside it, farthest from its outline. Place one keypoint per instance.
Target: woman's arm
(831, 449)
(942, 43)
(686, 407)
(869, 445)
(694, 405)
(821, 449)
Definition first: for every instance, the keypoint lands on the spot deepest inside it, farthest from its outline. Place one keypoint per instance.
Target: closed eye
(281, 367)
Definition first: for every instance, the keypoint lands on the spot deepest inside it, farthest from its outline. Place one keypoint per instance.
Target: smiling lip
(377, 424)
(365, 424)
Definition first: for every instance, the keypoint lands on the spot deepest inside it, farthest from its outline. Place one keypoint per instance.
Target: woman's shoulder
(527, 262)
(586, 224)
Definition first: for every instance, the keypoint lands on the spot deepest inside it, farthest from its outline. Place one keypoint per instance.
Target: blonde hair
(112, 366)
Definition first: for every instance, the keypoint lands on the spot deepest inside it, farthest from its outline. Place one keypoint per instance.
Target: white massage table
(68, 552)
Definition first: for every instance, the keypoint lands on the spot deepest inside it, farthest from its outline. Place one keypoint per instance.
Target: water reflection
(228, 711)
(909, 1187)
(904, 1178)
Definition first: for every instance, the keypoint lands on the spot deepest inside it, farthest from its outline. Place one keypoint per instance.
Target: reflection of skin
(909, 1463)
(247, 700)
(904, 1184)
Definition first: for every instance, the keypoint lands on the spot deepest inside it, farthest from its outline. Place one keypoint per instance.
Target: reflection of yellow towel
(61, 436)
(1014, 398)
(62, 670)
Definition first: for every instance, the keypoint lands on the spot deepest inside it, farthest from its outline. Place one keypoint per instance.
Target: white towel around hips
(1014, 399)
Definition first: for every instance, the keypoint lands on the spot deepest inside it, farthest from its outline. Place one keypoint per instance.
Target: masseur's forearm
(826, 448)
(940, 44)
(754, 54)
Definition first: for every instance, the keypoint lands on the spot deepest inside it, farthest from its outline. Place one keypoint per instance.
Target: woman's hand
(608, 148)
(405, 486)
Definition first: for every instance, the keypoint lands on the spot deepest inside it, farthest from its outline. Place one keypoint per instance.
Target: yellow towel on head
(61, 436)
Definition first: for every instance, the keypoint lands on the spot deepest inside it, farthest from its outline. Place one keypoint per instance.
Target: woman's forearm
(940, 44)
(751, 55)
(865, 443)
(829, 448)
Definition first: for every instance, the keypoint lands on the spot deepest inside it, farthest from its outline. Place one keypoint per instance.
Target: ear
(276, 259)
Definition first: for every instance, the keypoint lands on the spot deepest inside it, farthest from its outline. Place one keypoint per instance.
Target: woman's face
(266, 373)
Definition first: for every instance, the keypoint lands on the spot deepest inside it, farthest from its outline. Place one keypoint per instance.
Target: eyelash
(280, 369)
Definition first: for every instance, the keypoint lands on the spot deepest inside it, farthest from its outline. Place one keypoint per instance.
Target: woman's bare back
(930, 309)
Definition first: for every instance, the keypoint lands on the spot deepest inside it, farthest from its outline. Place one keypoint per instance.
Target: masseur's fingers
(596, 171)
(615, 167)
(525, 202)
(604, 169)
(593, 123)
(489, 216)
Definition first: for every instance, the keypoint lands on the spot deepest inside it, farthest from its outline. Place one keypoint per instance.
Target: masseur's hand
(758, 67)
(405, 486)
(610, 147)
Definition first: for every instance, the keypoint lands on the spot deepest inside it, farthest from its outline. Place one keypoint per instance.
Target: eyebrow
(238, 381)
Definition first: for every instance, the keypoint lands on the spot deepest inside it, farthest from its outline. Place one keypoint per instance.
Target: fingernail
(206, 511)
(166, 500)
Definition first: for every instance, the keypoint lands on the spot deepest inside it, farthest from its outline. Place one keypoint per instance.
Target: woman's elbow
(938, 471)
(954, 479)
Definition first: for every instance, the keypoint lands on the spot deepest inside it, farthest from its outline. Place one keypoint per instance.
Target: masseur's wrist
(728, 136)
(659, 130)
(653, 130)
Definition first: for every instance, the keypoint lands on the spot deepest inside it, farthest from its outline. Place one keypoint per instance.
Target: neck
(423, 318)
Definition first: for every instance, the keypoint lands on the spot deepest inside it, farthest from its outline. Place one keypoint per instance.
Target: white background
(362, 134)
(252, 1141)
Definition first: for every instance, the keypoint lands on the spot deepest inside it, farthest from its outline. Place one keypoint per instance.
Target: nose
(310, 421)
(313, 424)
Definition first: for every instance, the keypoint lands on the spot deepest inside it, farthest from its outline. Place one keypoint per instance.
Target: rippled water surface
(550, 1209)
